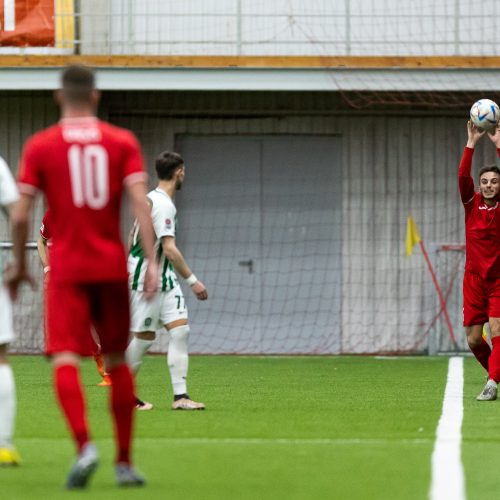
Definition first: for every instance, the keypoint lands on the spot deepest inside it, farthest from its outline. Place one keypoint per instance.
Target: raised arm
(495, 138)
(465, 181)
(175, 256)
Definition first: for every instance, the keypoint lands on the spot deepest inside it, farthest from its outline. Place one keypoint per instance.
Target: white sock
(178, 359)
(7, 405)
(135, 353)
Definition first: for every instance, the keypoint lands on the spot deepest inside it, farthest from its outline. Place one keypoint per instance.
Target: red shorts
(71, 310)
(481, 299)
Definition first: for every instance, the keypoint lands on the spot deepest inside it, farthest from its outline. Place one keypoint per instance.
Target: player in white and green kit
(8, 454)
(168, 309)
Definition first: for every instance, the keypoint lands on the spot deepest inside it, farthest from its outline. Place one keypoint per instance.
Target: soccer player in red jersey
(43, 244)
(482, 263)
(83, 165)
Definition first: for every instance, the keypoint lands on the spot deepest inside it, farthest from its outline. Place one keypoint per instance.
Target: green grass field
(275, 428)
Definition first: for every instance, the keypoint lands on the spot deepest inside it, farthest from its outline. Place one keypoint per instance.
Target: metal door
(259, 221)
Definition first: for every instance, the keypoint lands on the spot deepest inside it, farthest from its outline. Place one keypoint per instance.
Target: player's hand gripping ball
(485, 114)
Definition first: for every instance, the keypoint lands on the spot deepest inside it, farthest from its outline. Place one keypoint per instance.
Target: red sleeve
(465, 182)
(133, 165)
(45, 227)
(29, 177)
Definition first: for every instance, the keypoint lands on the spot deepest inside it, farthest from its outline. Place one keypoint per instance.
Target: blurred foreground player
(8, 454)
(43, 243)
(82, 165)
(481, 285)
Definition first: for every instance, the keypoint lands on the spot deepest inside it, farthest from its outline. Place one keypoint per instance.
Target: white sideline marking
(448, 480)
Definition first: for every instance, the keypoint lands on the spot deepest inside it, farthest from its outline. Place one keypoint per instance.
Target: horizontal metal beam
(281, 79)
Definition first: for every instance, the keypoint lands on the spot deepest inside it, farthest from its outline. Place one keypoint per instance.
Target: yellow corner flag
(412, 235)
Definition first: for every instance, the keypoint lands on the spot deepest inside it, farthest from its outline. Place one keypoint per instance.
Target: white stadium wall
(386, 166)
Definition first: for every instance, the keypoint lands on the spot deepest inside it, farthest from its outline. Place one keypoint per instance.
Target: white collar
(486, 207)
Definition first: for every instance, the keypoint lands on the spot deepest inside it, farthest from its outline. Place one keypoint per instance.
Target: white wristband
(46, 269)
(191, 280)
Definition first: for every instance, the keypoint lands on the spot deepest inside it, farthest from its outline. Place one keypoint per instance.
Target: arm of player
(465, 181)
(43, 251)
(130, 237)
(17, 273)
(495, 138)
(138, 199)
(175, 256)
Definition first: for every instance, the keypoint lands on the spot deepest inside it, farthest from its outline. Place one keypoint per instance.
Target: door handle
(247, 263)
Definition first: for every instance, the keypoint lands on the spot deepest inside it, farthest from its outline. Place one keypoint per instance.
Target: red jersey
(81, 164)
(482, 225)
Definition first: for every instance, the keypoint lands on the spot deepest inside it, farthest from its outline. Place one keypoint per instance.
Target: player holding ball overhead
(481, 286)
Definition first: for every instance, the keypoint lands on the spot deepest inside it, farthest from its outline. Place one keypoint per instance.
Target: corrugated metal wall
(393, 166)
(20, 115)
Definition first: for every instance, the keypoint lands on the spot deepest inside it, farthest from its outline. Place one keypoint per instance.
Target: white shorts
(149, 316)
(6, 329)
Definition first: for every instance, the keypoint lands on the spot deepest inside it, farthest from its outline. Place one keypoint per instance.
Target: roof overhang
(259, 73)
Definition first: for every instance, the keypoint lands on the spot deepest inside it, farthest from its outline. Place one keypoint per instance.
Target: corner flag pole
(442, 301)
(413, 237)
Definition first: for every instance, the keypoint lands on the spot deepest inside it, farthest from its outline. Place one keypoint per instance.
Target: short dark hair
(489, 168)
(77, 82)
(167, 163)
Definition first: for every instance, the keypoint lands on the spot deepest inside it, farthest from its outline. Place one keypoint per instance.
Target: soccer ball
(485, 114)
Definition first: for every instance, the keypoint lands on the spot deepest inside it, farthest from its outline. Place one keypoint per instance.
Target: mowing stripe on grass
(448, 479)
(259, 441)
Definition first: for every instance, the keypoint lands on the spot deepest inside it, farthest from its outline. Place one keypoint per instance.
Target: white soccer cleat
(187, 404)
(83, 468)
(490, 391)
(142, 405)
(126, 475)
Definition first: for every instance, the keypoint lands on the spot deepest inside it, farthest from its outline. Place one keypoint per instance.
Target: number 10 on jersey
(89, 173)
